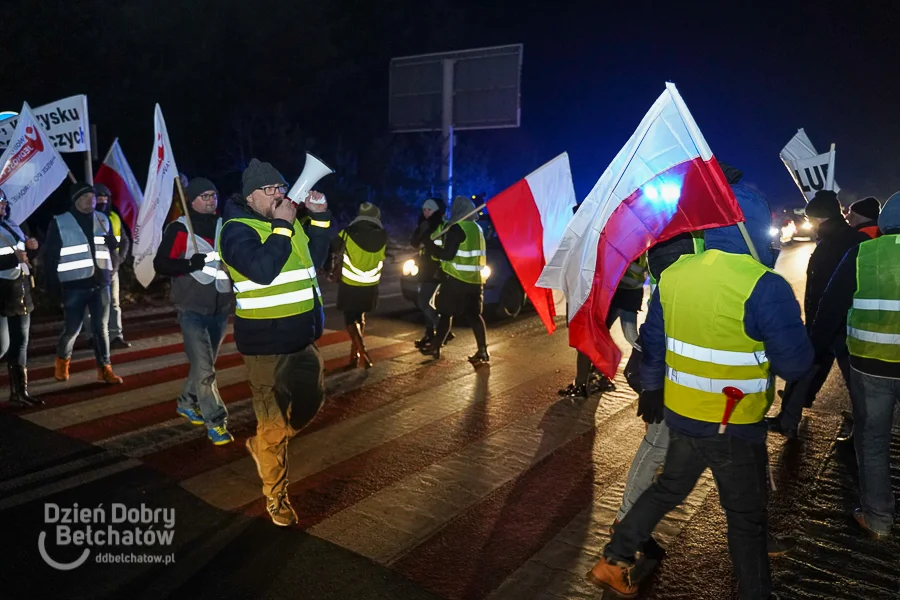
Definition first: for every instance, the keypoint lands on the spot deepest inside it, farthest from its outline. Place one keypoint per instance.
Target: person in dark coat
(863, 216)
(431, 219)
(357, 260)
(835, 238)
(17, 250)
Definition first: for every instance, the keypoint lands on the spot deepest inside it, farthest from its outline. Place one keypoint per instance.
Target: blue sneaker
(191, 415)
(219, 435)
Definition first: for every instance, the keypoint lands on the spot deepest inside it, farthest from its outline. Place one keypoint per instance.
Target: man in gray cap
(865, 294)
(272, 261)
(123, 237)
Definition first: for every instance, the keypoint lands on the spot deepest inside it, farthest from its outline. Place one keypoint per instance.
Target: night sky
(751, 78)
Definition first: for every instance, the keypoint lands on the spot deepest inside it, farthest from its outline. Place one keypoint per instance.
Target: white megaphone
(313, 171)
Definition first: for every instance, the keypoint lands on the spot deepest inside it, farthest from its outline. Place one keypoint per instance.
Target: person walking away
(835, 238)
(358, 259)
(461, 293)
(202, 294)
(123, 237)
(715, 317)
(865, 294)
(863, 216)
(431, 220)
(79, 255)
(278, 317)
(16, 305)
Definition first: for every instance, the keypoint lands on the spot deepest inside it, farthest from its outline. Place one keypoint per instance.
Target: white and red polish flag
(152, 214)
(116, 174)
(665, 181)
(530, 218)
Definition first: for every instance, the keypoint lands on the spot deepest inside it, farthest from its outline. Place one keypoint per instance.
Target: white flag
(30, 169)
(148, 228)
(808, 168)
(65, 121)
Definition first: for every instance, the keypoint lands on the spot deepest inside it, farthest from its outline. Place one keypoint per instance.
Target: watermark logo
(119, 527)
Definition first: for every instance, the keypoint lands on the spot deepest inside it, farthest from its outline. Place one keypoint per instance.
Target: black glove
(197, 262)
(650, 406)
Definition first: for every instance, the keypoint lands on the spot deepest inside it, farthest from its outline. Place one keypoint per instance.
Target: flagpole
(746, 236)
(187, 214)
(467, 215)
(71, 177)
(829, 179)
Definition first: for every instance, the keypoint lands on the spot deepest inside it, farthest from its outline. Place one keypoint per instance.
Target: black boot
(480, 357)
(575, 390)
(450, 337)
(18, 387)
(425, 339)
(432, 349)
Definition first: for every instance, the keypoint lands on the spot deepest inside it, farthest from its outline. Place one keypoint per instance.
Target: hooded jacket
(455, 236)
(836, 237)
(120, 253)
(425, 227)
(261, 263)
(831, 318)
(188, 293)
(771, 316)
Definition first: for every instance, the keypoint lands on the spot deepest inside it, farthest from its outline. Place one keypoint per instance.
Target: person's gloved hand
(650, 406)
(197, 262)
(633, 370)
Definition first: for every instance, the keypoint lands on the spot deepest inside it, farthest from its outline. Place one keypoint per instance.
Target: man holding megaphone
(272, 259)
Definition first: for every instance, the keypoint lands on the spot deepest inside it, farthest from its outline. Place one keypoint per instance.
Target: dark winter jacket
(188, 293)
(53, 245)
(831, 318)
(870, 228)
(121, 253)
(428, 268)
(261, 263)
(771, 315)
(371, 238)
(836, 237)
(15, 294)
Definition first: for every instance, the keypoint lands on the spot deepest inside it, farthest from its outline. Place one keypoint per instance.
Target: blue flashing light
(650, 192)
(671, 192)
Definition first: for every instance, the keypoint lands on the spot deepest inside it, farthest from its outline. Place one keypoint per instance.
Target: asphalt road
(417, 480)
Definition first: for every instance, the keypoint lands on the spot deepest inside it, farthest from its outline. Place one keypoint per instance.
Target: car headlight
(410, 268)
(773, 231)
(806, 225)
(485, 272)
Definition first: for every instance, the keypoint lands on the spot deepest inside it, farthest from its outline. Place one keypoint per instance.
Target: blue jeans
(874, 399)
(426, 292)
(203, 335)
(114, 321)
(739, 468)
(74, 302)
(650, 455)
(14, 339)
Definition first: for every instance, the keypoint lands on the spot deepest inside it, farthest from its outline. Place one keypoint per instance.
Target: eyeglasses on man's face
(271, 190)
(209, 196)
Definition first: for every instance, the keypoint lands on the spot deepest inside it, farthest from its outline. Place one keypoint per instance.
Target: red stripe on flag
(639, 222)
(518, 223)
(121, 197)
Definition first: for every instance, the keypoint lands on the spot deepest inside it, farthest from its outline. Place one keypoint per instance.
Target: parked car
(792, 225)
(503, 294)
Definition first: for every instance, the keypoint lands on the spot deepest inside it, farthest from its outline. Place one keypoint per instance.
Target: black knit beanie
(197, 186)
(824, 205)
(869, 208)
(79, 189)
(259, 174)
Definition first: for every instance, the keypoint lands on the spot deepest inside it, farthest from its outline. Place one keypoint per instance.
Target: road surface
(417, 480)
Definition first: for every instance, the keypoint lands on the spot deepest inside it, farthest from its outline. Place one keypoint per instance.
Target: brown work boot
(614, 576)
(61, 369)
(106, 375)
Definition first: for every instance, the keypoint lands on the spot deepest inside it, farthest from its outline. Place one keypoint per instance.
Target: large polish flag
(663, 182)
(530, 218)
(116, 174)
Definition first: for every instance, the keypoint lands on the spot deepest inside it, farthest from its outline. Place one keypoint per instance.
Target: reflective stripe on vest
(703, 298)
(873, 321)
(470, 258)
(292, 292)
(635, 274)
(360, 268)
(9, 243)
(212, 267)
(75, 260)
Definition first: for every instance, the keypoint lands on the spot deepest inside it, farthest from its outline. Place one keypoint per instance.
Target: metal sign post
(451, 91)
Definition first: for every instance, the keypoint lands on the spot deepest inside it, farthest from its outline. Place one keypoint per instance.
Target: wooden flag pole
(467, 215)
(72, 177)
(746, 236)
(187, 214)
